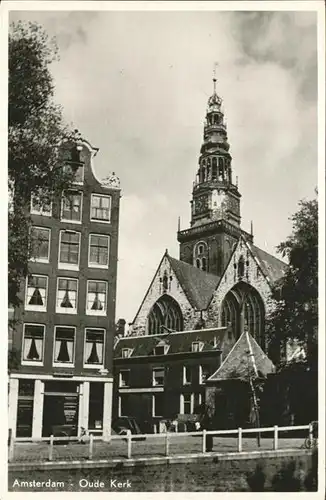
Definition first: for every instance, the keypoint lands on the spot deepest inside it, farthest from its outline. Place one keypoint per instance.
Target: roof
(198, 285)
(178, 342)
(271, 266)
(246, 357)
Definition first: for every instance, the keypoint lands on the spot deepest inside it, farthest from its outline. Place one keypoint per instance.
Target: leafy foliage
(296, 313)
(35, 133)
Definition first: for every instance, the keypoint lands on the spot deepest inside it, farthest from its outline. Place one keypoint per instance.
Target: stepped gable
(178, 342)
(245, 357)
(198, 285)
(271, 266)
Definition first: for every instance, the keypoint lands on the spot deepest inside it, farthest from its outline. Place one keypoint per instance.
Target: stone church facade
(221, 280)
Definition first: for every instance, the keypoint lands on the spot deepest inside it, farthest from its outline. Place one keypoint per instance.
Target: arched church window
(165, 312)
(241, 267)
(215, 119)
(201, 256)
(246, 299)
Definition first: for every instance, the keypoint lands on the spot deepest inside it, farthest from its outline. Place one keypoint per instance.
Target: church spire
(214, 174)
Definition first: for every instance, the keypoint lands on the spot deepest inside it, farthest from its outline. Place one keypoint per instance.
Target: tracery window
(245, 300)
(165, 312)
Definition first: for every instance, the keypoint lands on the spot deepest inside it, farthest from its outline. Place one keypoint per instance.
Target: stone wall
(190, 316)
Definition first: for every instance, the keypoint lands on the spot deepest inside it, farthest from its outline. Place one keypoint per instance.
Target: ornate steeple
(214, 175)
(215, 204)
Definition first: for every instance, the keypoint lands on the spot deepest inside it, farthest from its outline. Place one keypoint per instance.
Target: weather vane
(214, 75)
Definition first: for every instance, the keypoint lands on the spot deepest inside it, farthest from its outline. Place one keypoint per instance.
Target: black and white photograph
(165, 297)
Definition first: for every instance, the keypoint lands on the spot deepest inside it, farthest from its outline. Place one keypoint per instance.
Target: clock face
(201, 204)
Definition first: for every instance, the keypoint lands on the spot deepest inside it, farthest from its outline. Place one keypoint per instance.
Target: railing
(164, 442)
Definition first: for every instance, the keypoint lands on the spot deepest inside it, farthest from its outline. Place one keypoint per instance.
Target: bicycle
(310, 443)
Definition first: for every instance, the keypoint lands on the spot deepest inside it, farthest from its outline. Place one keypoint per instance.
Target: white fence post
(51, 448)
(91, 444)
(167, 444)
(11, 449)
(275, 442)
(239, 439)
(129, 443)
(310, 434)
(204, 440)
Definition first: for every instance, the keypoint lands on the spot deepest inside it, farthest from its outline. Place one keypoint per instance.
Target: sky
(136, 86)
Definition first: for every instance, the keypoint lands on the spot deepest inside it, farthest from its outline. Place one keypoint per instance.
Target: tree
(296, 314)
(36, 134)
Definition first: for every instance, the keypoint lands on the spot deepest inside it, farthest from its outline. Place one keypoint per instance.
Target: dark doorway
(60, 415)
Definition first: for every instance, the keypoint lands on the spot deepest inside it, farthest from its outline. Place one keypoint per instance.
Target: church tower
(215, 204)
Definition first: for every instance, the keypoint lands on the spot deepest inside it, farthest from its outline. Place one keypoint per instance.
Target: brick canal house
(220, 286)
(65, 329)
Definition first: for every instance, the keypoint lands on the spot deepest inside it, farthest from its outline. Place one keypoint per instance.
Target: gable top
(179, 342)
(245, 357)
(198, 285)
(271, 266)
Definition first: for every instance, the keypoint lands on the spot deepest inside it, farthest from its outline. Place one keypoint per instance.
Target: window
(33, 344)
(78, 172)
(94, 347)
(69, 250)
(124, 405)
(71, 206)
(67, 290)
(38, 208)
(40, 244)
(64, 345)
(196, 346)
(161, 349)
(98, 255)
(96, 298)
(200, 256)
(158, 376)
(158, 405)
(186, 404)
(165, 312)
(126, 352)
(187, 374)
(101, 208)
(124, 378)
(36, 293)
(203, 374)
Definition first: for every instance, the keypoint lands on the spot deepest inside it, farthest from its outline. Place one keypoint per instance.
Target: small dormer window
(126, 352)
(196, 346)
(161, 350)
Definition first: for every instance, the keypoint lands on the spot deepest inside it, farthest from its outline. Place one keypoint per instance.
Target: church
(216, 296)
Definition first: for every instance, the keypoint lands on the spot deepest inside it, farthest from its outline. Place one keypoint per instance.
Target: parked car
(122, 425)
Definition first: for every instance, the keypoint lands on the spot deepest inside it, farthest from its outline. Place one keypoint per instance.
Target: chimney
(120, 328)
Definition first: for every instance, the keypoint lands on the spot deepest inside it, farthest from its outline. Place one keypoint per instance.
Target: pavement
(151, 447)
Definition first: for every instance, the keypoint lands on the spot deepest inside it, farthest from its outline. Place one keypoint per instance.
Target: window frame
(200, 346)
(41, 259)
(60, 363)
(71, 221)
(90, 312)
(81, 165)
(66, 265)
(65, 310)
(94, 365)
(34, 307)
(100, 195)
(157, 368)
(160, 394)
(184, 379)
(96, 265)
(120, 377)
(120, 405)
(40, 212)
(128, 350)
(182, 403)
(32, 363)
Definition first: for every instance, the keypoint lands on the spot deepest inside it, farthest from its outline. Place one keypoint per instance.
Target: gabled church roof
(198, 285)
(271, 266)
(246, 357)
